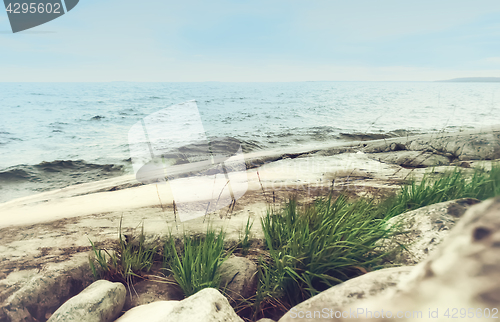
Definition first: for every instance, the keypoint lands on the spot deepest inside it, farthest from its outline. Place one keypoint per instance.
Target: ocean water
(56, 134)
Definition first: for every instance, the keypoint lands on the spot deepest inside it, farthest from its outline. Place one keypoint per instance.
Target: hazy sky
(257, 40)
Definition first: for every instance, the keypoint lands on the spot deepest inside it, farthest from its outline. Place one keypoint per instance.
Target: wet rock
(102, 301)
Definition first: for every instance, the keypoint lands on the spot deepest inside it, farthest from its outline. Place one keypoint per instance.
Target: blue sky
(243, 40)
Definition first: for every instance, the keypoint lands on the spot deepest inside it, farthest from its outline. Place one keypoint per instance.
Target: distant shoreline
(472, 80)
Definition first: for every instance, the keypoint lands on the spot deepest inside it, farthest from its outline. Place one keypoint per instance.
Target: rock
(412, 159)
(44, 291)
(351, 291)
(459, 146)
(152, 312)
(397, 147)
(239, 277)
(146, 292)
(483, 146)
(208, 305)
(101, 301)
(424, 228)
(463, 272)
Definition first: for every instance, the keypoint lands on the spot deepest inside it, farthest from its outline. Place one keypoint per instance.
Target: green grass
(129, 259)
(245, 242)
(451, 185)
(196, 267)
(315, 247)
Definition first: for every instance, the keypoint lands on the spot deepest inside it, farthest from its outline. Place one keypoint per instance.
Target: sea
(53, 135)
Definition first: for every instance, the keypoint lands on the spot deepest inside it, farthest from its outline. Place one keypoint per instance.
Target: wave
(60, 171)
(5, 138)
(14, 175)
(61, 165)
(357, 136)
(221, 146)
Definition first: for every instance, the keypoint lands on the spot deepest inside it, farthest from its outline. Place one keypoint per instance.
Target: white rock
(102, 301)
(353, 290)
(152, 312)
(462, 273)
(208, 305)
(424, 229)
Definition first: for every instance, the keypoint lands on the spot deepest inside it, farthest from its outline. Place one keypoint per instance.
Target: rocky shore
(452, 260)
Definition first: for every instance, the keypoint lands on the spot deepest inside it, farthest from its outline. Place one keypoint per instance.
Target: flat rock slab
(412, 159)
(462, 146)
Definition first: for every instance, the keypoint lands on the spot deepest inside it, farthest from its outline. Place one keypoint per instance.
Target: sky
(257, 41)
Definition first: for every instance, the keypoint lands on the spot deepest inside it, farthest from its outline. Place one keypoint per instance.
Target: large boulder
(238, 277)
(353, 290)
(423, 229)
(208, 305)
(102, 301)
(462, 273)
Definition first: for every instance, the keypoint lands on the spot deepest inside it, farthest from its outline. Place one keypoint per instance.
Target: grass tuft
(315, 247)
(128, 260)
(196, 267)
(451, 185)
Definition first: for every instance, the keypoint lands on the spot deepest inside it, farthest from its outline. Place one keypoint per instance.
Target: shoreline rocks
(33, 244)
